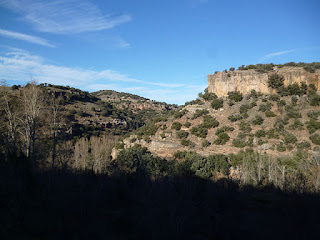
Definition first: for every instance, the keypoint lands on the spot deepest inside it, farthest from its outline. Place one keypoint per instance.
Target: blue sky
(162, 50)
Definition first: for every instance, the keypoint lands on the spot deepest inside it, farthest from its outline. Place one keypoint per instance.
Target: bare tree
(55, 108)
(10, 116)
(32, 100)
(81, 153)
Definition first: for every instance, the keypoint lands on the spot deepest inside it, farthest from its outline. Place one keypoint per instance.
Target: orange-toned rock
(245, 80)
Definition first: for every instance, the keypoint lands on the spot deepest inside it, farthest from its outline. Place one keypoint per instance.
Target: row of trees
(248, 167)
(22, 111)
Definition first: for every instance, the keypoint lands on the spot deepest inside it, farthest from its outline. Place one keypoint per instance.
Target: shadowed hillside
(68, 205)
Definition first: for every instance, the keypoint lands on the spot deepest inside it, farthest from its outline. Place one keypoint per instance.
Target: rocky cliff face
(245, 80)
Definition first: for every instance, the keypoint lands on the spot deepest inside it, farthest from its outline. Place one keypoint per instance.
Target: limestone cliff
(245, 80)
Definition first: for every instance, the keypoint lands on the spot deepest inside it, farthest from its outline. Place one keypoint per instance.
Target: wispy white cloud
(17, 65)
(21, 66)
(25, 37)
(122, 43)
(271, 55)
(65, 17)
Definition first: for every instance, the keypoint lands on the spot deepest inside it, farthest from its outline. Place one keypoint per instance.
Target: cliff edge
(244, 81)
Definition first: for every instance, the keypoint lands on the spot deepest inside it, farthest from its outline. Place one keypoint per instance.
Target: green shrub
(237, 117)
(187, 124)
(290, 147)
(205, 166)
(265, 107)
(209, 122)
(269, 113)
(132, 140)
(209, 96)
(163, 135)
(235, 96)
(275, 81)
(294, 89)
(217, 103)
(309, 69)
(222, 138)
(258, 120)
(289, 138)
(281, 147)
(179, 114)
(315, 100)
(281, 103)
(205, 143)
(185, 142)
(244, 126)
(296, 125)
(224, 129)
(249, 143)
(199, 113)
(294, 100)
(253, 94)
(184, 154)
(139, 159)
(304, 145)
(182, 134)
(201, 167)
(313, 125)
(312, 89)
(199, 131)
(239, 143)
(303, 88)
(176, 126)
(260, 133)
(274, 97)
(314, 114)
(279, 125)
(159, 119)
(230, 103)
(147, 130)
(315, 138)
(245, 107)
(272, 134)
(292, 112)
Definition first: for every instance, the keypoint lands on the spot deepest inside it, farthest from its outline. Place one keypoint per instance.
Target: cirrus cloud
(64, 17)
(25, 37)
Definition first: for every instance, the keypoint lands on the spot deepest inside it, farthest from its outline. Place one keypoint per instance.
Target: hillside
(278, 131)
(87, 114)
(271, 124)
(130, 101)
(66, 117)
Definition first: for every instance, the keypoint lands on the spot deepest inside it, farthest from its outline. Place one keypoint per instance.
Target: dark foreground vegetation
(65, 204)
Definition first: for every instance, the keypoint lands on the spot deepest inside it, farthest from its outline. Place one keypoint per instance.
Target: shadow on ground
(64, 205)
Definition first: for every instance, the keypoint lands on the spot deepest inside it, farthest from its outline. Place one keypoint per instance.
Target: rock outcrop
(245, 80)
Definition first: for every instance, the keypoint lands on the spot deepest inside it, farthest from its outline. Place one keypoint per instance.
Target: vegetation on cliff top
(264, 68)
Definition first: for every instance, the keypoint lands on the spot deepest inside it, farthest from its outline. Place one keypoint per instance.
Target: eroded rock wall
(245, 80)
